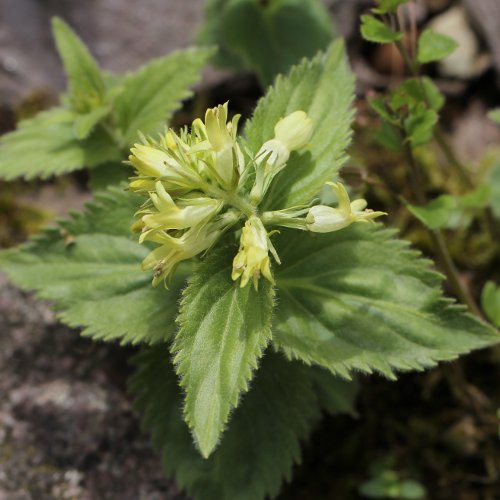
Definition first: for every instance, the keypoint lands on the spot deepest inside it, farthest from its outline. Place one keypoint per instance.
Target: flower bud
(216, 127)
(295, 130)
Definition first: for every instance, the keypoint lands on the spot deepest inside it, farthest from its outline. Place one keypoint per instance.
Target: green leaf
(434, 46)
(494, 115)
(260, 445)
(452, 212)
(150, 96)
(490, 302)
(85, 123)
(90, 267)
(376, 31)
(413, 93)
(109, 174)
(223, 332)
(210, 34)
(46, 145)
(356, 299)
(387, 6)
(434, 96)
(420, 125)
(389, 137)
(86, 84)
(263, 35)
(437, 213)
(494, 183)
(336, 395)
(324, 89)
(378, 105)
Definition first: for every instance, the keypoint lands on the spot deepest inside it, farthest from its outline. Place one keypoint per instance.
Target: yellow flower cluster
(197, 187)
(184, 177)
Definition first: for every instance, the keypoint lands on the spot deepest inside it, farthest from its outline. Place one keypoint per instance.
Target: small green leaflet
(494, 115)
(90, 267)
(452, 212)
(386, 483)
(46, 145)
(359, 300)
(149, 97)
(262, 37)
(85, 82)
(490, 302)
(261, 443)
(413, 92)
(376, 31)
(388, 6)
(434, 46)
(324, 89)
(223, 332)
(420, 125)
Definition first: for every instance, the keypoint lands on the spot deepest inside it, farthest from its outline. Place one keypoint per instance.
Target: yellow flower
(295, 130)
(173, 250)
(324, 219)
(252, 259)
(227, 158)
(290, 134)
(151, 161)
(184, 213)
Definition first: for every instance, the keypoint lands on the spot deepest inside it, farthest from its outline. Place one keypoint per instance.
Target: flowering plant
(282, 297)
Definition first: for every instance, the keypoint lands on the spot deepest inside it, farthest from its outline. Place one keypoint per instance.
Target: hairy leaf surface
(324, 88)
(357, 299)
(47, 145)
(150, 96)
(90, 267)
(85, 123)
(223, 332)
(261, 443)
(85, 82)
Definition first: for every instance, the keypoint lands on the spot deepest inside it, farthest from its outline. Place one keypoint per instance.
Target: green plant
(410, 119)
(265, 36)
(99, 115)
(386, 483)
(352, 299)
(272, 299)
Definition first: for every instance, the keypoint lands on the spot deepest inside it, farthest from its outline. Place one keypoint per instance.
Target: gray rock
(67, 430)
(121, 34)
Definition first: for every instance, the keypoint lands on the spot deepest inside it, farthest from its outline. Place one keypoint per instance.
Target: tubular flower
(290, 134)
(173, 250)
(252, 259)
(324, 219)
(164, 213)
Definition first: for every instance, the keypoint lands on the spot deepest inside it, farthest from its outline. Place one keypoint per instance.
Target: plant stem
(452, 158)
(230, 198)
(439, 136)
(437, 239)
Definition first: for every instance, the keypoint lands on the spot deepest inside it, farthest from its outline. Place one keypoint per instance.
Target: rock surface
(67, 430)
(122, 36)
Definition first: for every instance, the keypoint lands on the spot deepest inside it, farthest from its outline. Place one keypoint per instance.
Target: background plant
(265, 37)
(99, 115)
